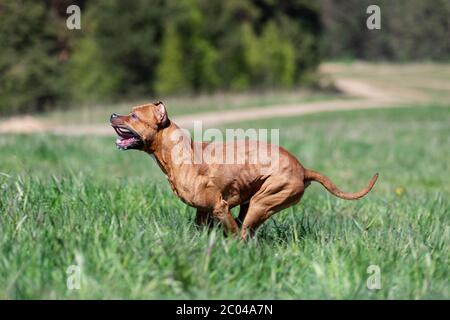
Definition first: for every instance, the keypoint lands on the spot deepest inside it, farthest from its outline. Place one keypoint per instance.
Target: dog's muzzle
(113, 116)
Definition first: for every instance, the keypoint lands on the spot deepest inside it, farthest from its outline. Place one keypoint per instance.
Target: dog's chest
(191, 190)
(170, 178)
(181, 187)
(182, 191)
(173, 186)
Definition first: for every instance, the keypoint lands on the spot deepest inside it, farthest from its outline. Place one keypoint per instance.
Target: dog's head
(137, 130)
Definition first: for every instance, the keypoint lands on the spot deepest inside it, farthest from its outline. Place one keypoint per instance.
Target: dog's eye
(134, 116)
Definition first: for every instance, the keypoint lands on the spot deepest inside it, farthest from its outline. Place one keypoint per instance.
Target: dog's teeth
(124, 130)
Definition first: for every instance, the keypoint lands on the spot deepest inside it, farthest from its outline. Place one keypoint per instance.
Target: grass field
(77, 200)
(410, 80)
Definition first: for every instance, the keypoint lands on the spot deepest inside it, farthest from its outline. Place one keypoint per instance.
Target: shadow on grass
(289, 230)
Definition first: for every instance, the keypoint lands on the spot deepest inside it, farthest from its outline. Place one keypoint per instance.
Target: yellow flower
(399, 191)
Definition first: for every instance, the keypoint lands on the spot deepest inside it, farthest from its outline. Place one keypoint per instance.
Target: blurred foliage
(143, 47)
(410, 30)
(270, 59)
(30, 56)
(146, 47)
(169, 73)
(90, 77)
(199, 45)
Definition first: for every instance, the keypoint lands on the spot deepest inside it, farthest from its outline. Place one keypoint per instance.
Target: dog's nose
(113, 116)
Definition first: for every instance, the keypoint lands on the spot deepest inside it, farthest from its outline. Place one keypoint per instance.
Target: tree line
(155, 47)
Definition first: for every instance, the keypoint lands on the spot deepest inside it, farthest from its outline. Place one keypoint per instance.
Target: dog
(214, 187)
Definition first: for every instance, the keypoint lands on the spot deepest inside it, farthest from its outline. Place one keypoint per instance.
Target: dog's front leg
(222, 213)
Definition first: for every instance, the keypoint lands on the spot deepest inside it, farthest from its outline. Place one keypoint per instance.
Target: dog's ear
(161, 114)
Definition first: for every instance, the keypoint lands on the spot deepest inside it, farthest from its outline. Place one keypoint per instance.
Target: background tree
(170, 76)
(410, 30)
(138, 48)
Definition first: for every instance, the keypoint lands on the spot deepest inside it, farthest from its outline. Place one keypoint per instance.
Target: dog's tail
(311, 175)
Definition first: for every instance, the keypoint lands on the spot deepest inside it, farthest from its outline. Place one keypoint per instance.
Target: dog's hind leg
(275, 194)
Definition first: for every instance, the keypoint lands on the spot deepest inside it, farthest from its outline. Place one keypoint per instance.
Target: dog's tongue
(125, 143)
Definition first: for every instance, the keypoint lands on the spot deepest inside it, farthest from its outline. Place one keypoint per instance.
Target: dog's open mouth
(128, 139)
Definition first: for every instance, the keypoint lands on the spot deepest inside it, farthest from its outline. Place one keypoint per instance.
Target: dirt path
(364, 97)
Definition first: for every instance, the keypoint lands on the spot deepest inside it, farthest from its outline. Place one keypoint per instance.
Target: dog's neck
(172, 148)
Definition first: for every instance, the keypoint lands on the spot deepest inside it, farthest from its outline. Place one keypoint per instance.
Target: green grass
(67, 200)
(430, 81)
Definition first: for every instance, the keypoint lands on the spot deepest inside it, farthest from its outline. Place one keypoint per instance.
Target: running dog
(214, 187)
